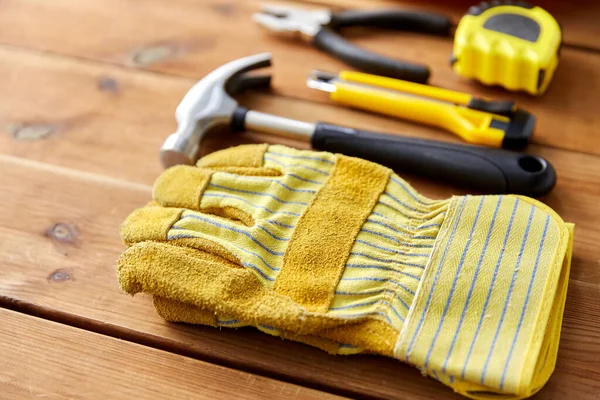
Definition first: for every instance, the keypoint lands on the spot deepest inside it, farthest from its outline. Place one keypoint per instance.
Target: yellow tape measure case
(511, 44)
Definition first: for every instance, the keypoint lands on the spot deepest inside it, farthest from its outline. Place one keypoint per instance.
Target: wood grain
(43, 359)
(58, 260)
(90, 92)
(194, 45)
(97, 119)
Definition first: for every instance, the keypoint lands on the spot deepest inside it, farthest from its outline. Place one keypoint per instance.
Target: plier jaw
(290, 21)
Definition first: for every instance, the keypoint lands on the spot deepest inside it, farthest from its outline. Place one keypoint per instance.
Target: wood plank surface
(43, 359)
(188, 39)
(58, 260)
(90, 92)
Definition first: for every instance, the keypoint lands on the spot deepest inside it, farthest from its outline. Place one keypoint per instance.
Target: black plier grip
(322, 28)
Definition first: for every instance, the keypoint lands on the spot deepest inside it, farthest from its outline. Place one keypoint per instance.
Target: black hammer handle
(484, 169)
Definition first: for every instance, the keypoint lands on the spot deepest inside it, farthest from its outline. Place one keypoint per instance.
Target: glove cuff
(486, 316)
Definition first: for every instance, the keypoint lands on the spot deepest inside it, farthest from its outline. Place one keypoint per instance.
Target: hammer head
(208, 105)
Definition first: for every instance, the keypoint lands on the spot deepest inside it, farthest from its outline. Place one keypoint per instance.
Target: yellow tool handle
(406, 87)
(471, 125)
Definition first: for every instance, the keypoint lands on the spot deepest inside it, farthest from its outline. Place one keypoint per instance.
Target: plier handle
(321, 27)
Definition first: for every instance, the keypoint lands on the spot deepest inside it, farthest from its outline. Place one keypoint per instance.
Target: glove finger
(300, 175)
(253, 226)
(270, 158)
(300, 165)
(194, 188)
(182, 186)
(244, 156)
(299, 172)
(149, 223)
(261, 197)
(259, 247)
(276, 198)
(206, 280)
(177, 311)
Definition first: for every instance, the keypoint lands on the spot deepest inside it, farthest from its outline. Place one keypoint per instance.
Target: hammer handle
(267, 123)
(481, 168)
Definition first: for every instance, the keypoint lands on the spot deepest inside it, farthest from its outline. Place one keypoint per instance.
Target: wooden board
(58, 260)
(43, 359)
(90, 91)
(171, 40)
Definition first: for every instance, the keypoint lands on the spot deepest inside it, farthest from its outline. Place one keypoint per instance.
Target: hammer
(209, 105)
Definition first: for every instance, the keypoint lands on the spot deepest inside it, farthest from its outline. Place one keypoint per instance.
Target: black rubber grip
(238, 119)
(487, 170)
(414, 21)
(500, 107)
(367, 61)
(519, 130)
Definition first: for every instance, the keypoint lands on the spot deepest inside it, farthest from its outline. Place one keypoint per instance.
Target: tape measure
(511, 44)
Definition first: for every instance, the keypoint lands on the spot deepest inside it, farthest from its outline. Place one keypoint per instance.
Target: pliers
(320, 28)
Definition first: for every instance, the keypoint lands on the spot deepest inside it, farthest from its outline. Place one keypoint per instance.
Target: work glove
(341, 253)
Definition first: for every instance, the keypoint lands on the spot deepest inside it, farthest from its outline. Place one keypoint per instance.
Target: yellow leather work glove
(343, 254)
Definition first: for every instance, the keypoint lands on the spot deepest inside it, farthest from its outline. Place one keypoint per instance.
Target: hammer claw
(245, 81)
